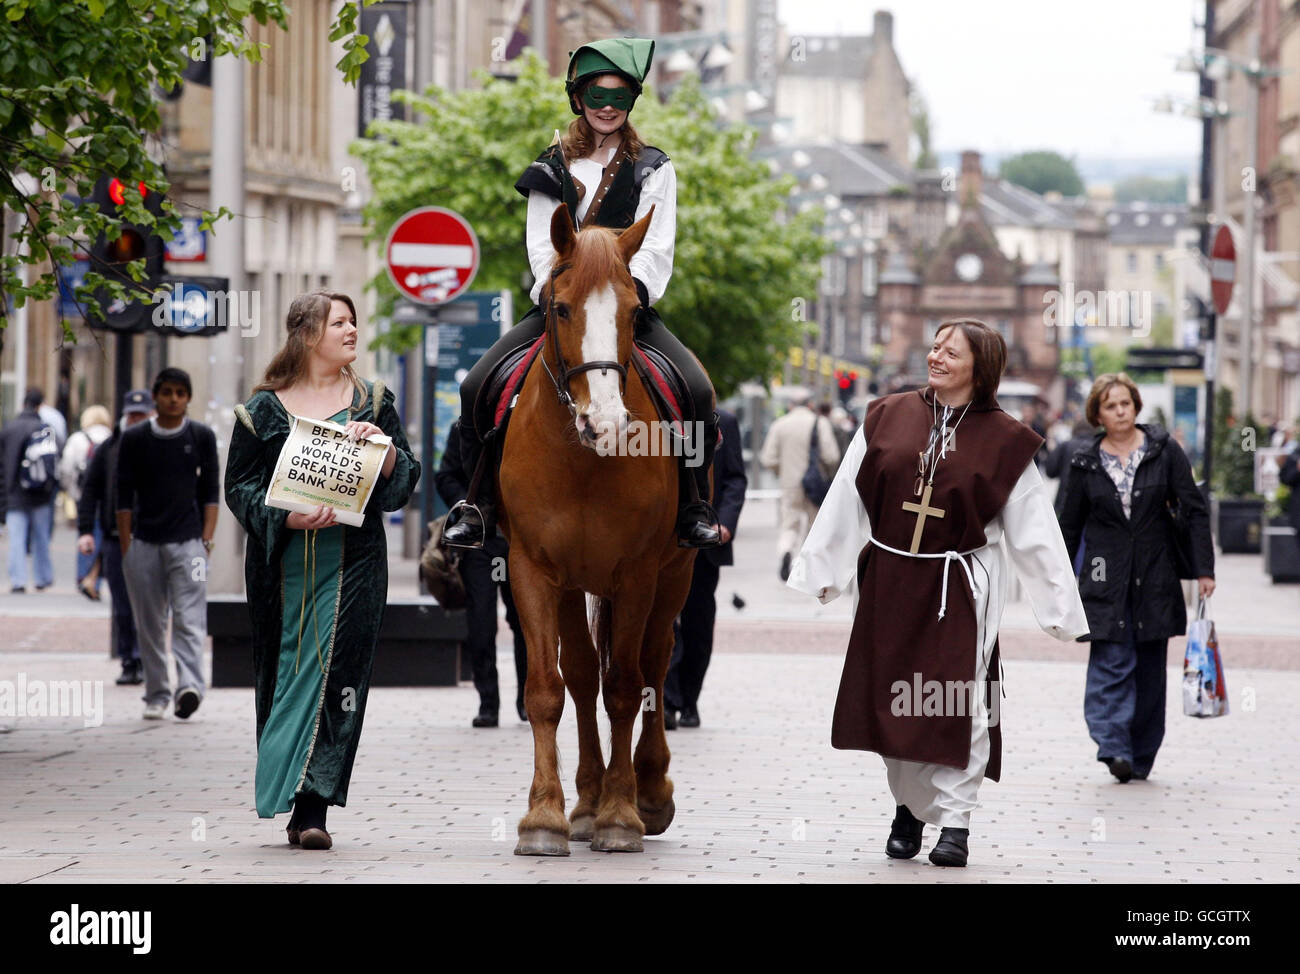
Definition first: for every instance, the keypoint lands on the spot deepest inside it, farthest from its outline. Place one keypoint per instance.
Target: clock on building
(969, 267)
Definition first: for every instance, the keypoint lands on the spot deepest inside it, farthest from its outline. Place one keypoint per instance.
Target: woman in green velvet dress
(316, 588)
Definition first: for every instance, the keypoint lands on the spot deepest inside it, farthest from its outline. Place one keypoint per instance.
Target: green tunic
(310, 698)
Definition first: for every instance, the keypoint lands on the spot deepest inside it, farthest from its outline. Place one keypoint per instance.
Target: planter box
(419, 644)
(1239, 526)
(1281, 551)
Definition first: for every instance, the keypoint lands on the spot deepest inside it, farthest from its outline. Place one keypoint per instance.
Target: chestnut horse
(583, 517)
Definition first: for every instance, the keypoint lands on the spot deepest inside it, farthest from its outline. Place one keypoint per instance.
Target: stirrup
(453, 542)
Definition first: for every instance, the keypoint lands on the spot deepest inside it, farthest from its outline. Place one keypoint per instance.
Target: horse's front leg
(581, 669)
(544, 831)
(618, 826)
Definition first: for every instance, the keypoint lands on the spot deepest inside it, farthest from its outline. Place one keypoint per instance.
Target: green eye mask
(619, 99)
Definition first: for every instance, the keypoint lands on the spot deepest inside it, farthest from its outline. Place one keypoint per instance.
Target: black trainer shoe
(130, 674)
(1120, 768)
(187, 701)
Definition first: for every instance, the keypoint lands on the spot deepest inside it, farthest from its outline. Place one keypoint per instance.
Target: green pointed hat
(629, 57)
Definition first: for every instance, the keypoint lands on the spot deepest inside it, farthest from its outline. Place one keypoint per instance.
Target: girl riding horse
(609, 178)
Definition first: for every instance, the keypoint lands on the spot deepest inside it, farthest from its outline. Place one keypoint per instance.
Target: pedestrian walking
(316, 588)
(606, 176)
(1057, 465)
(96, 427)
(97, 531)
(938, 497)
(694, 629)
(28, 484)
(483, 570)
(786, 450)
(167, 496)
(1119, 496)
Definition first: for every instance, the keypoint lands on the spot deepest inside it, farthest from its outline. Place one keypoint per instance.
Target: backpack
(38, 463)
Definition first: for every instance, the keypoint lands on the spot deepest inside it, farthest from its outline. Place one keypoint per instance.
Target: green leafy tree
(1042, 172)
(743, 266)
(1235, 443)
(79, 87)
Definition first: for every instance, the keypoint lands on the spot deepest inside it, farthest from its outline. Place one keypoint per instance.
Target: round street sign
(1223, 269)
(432, 255)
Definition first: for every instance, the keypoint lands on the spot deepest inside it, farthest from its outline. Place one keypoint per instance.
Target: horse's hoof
(617, 838)
(657, 820)
(542, 842)
(581, 828)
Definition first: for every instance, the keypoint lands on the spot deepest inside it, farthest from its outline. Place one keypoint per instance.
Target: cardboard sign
(320, 465)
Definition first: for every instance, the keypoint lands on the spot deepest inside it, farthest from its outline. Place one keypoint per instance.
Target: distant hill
(1098, 170)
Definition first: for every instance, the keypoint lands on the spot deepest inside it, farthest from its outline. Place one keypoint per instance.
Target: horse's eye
(562, 310)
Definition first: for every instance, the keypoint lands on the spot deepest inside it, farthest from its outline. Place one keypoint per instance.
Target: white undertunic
(1027, 534)
(652, 264)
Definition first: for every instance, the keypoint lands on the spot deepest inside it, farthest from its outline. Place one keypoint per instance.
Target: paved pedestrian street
(760, 794)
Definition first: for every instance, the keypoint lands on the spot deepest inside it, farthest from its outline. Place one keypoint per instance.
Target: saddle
(662, 380)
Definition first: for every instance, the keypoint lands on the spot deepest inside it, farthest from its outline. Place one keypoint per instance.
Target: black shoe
(951, 849)
(785, 567)
(670, 719)
(19, 590)
(42, 588)
(697, 527)
(485, 718)
(469, 531)
(130, 674)
(1120, 768)
(187, 701)
(904, 834)
(521, 710)
(690, 717)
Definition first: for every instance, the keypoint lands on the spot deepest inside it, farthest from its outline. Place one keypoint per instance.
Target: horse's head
(590, 304)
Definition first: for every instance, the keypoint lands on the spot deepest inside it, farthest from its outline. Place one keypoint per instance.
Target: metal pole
(1208, 188)
(225, 568)
(1246, 400)
(541, 37)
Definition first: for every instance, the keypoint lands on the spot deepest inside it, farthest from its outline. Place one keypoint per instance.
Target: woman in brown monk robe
(932, 482)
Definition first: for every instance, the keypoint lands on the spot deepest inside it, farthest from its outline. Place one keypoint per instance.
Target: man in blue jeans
(167, 497)
(30, 451)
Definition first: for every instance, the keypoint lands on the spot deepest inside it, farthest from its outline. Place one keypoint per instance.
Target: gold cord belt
(309, 581)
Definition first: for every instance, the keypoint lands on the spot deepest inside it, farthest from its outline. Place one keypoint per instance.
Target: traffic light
(110, 257)
(847, 382)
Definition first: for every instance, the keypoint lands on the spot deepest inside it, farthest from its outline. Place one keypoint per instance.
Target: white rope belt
(948, 558)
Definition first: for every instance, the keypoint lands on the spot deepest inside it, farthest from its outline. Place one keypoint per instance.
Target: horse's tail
(599, 620)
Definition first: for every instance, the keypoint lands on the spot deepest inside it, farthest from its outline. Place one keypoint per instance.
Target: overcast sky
(1010, 75)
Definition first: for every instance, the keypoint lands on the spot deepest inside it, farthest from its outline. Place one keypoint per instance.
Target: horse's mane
(596, 260)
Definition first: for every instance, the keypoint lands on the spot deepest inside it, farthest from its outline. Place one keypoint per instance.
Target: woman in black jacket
(1118, 497)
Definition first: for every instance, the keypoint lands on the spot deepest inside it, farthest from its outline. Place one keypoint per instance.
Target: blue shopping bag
(1204, 691)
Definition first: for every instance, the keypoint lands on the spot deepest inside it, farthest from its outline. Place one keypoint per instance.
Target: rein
(561, 381)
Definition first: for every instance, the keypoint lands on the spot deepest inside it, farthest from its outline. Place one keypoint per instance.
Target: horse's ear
(629, 241)
(562, 235)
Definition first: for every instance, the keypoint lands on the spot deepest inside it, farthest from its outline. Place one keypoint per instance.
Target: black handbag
(815, 483)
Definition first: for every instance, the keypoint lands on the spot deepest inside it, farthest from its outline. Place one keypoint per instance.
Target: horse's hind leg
(581, 669)
(544, 831)
(654, 789)
(618, 826)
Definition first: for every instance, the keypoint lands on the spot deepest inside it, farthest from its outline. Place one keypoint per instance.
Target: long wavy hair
(579, 141)
(304, 326)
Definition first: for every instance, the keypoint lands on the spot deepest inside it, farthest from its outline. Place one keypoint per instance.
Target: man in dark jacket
(694, 628)
(99, 502)
(483, 571)
(28, 513)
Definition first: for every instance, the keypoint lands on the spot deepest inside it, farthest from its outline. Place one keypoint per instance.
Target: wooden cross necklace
(936, 449)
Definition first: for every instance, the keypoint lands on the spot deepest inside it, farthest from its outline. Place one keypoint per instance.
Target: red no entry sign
(1223, 269)
(432, 255)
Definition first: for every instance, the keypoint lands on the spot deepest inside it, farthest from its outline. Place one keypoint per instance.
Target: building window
(833, 275)
(1160, 261)
(868, 336)
(868, 275)
(877, 222)
(1132, 261)
(886, 333)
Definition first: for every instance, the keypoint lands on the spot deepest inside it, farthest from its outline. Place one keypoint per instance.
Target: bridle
(561, 381)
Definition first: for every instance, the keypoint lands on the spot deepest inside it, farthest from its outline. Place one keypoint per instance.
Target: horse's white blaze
(606, 412)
